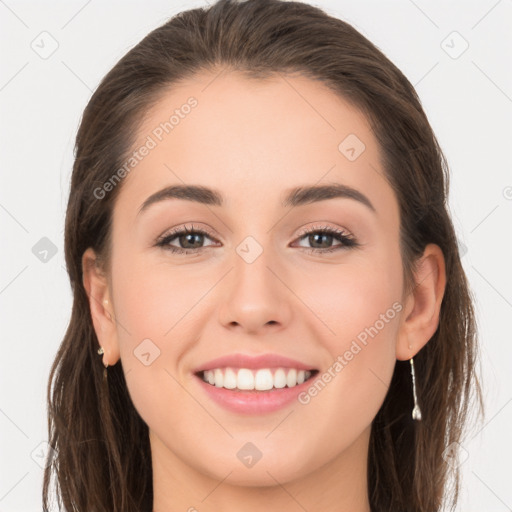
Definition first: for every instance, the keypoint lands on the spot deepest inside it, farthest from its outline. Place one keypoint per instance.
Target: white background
(468, 100)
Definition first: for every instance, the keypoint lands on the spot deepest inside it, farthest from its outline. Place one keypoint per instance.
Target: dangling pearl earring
(416, 412)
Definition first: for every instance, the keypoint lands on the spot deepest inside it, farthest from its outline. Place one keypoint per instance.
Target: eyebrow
(297, 196)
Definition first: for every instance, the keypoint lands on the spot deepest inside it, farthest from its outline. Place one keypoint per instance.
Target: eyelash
(347, 241)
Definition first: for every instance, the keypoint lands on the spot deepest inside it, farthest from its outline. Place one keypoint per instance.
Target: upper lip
(252, 362)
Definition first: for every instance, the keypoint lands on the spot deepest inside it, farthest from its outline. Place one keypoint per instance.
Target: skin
(252, 140)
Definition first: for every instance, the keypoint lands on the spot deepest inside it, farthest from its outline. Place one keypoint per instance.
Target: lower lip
(254, 402)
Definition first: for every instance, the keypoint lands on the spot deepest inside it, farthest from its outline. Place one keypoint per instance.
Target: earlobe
(95, 283)
(423, 305)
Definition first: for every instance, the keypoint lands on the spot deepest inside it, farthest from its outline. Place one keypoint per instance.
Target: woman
(314, 349)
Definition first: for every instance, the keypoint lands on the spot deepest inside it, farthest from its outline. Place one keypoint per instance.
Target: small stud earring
(416, 412)
(100, 352)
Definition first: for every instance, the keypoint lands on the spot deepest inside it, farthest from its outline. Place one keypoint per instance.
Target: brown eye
(188, 240)
(325, 236)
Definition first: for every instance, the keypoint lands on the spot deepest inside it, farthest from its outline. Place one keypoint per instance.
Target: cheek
(148, 359)
(359, 301)
(159, 315)
(155, 301)
(360, 312)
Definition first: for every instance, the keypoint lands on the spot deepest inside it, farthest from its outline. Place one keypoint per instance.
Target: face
(255, 276)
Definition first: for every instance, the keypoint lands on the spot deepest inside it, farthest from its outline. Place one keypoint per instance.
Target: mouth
(245, 380)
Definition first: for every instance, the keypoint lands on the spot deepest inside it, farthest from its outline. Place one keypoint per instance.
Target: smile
(263, 379)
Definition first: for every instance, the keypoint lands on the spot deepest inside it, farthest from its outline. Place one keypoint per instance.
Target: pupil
(313, 237)
(186, 239)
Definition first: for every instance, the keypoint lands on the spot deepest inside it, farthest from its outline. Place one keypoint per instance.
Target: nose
(256, 296)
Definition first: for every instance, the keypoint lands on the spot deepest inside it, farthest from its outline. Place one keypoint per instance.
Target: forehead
(252, 139)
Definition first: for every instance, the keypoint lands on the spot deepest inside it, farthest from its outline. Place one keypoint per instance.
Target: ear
(100, 303)
(423, 304)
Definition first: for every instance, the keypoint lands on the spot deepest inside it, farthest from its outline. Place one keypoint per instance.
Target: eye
(189, 238)
(326, 235)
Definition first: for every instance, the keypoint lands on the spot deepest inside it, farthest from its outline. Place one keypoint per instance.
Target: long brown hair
(102, 460)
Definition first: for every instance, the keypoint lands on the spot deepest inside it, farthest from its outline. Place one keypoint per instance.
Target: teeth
(263, 380)
(230, 379)
(279, 378)
(245, 379)
(291, 379)
(219, 378)
(260, 380)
